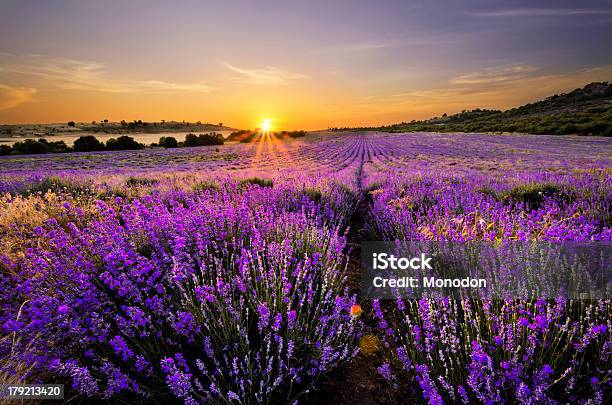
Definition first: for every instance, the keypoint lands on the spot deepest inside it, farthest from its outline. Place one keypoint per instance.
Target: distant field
(338, 154)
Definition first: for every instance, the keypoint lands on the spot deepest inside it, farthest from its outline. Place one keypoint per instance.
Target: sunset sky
(306, 65)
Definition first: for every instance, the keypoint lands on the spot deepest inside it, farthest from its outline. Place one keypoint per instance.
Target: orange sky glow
(308, 66)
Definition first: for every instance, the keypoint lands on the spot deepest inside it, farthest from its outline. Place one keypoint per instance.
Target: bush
(533, 195)
(191, 140)
(88, 143)
(203, 139)
(489, 192)
(140, 181)
(123, 143)
(258, 181)
(207, 185)
(5, 149)
(168, 142)
(56, 146)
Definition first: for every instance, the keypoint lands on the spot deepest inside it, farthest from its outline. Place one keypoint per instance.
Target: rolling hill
(584, 111)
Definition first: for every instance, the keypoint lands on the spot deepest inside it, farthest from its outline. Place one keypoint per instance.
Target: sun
(266, 124)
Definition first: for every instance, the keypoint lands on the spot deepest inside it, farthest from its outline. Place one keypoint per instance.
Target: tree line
(191, 140)
(90, 143)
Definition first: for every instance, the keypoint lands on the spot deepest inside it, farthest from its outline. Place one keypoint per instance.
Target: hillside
(585, 111)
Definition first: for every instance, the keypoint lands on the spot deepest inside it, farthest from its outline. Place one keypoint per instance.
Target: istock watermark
(509, 269)
(383, 261)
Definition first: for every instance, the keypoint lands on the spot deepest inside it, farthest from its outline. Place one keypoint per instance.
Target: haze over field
(304, 65)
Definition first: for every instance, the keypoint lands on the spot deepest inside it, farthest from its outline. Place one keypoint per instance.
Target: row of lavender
(490, 351)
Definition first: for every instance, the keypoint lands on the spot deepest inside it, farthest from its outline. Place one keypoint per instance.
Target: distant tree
(168, 142)
(123, 123)
(105, 120)
(123, 143)
(93, 122)
(57, 147)
(71, 123)
(5, 149)
(30, 146)
(210, 139)
(88, 143)
(220, 124)
(203, 139)
(191, 140)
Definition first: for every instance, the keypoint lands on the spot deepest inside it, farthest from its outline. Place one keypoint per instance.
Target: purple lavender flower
(121, 348)
(385, 371)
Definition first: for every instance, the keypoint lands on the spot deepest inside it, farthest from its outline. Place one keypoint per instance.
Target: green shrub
(203, 139)
(140, 181)
(168, 142)
(123, 143)
(87, 143)
(314, 194)
(533, 195)
(207, 185)
(488, 191)
(30, 146)
(5, 149)
(56, 146)
(258, 181)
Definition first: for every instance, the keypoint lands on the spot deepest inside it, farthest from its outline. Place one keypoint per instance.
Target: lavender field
(228, 274)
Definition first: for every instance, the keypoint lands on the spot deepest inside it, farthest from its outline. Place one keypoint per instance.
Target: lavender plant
(213, 296)
(495, 350)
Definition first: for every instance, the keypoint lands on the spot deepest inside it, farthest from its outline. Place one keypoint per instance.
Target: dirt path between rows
(359, 382)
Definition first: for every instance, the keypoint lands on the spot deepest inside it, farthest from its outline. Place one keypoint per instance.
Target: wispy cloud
(454, 97)
(268, 76)
(396, 41)
(71, 74)
(541, 12)
(494, 75)
(13, 96)
(378, 44)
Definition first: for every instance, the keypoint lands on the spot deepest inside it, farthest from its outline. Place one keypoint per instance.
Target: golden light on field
(266, 124)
